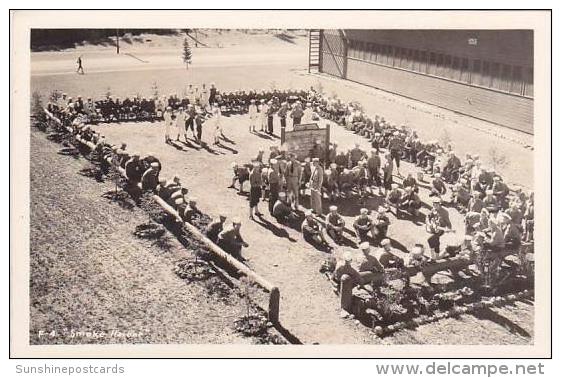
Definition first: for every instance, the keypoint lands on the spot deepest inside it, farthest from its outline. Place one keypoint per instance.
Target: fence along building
(487, 74)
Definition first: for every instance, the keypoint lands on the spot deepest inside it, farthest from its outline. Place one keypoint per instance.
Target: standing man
(282, 114)
(273, 177)
(296, 114)
(293, 174)
(80, 70)
(270, 114)
(180, 124)
(253, 115)
(255, 189)
(263, 115)
(316, 183)
(168, 121)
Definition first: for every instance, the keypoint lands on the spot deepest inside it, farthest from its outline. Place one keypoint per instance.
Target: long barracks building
(487, 74)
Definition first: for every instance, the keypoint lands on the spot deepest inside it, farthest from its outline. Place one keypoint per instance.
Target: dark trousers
(189, 124)
(270, 124)
(199, 131)
(396, 155)
(273, 195)
(283, 122)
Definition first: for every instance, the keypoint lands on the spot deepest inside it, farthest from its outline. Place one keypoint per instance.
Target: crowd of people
(495, 217)
(142, 175)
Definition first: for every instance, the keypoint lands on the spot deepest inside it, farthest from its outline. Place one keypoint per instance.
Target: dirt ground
(309, 308)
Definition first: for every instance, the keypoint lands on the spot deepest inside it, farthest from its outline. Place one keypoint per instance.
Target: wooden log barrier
(216, 251)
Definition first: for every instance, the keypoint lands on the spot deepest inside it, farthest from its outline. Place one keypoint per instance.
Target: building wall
(481, 73)
(512, 111)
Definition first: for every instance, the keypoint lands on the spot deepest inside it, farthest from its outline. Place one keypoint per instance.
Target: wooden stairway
(314, 50)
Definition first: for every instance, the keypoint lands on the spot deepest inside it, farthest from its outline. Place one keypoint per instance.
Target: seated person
(438, 187)
(461, 195)
(133, 169)
(230, 239)
(388, 258)
(417, 256)
(490, 202)
(494, 238)
(312, 230)
(192, 212)
(282, 211)
(334, 224)
(411, 202)
(362, 225)
(149, 179)
(367, 262)
(241, 174)
(394, 198)
(344, 267)
(346, 182)
(215, 228)
(410, 181)
(381, 224)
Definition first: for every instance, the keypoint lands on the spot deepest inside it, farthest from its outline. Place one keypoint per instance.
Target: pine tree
(186, 53)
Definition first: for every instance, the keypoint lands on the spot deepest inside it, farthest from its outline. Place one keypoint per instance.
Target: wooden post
(346, 292)
(117, 41)
(274, 305)
(283, 134)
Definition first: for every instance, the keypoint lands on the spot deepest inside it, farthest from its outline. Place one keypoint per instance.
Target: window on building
(485, 74)
(516, 81)
(416, 60)
(439, 64)
(495, 74)
(529, 82)
(455, 70)
(423, 62)
(505, 77)
(432, 64)
(374, 51)
(476, 72)
(465, 74)
(447, 67)
(390, 56)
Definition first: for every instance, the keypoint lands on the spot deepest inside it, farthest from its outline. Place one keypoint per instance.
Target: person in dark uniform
(255, 189)
(80, 69)
(215, 228)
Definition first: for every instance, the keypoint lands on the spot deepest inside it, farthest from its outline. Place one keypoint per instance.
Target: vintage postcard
(280, 183)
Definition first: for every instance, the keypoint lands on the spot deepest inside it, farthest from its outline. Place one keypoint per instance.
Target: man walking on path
(80, 69)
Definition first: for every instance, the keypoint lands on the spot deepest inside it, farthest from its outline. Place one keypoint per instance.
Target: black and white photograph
(282, 179)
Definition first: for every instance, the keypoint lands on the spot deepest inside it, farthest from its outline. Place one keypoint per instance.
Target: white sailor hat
(436, 200)
(347, 256)
(395, 186)
(315, 160)
(396, 133)
(364, 211)
(273, 161)
(308, 213)
(364, 246)
(437, 175)
(332, 208)
(282, 195)
(385, 242)
(333, 165)
(489, 191)
(193, 200)
(382, 209)
(154, 165)
(236, 220)
(417, 250)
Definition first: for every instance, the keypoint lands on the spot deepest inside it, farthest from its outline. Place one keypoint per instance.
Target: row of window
(504, 77)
